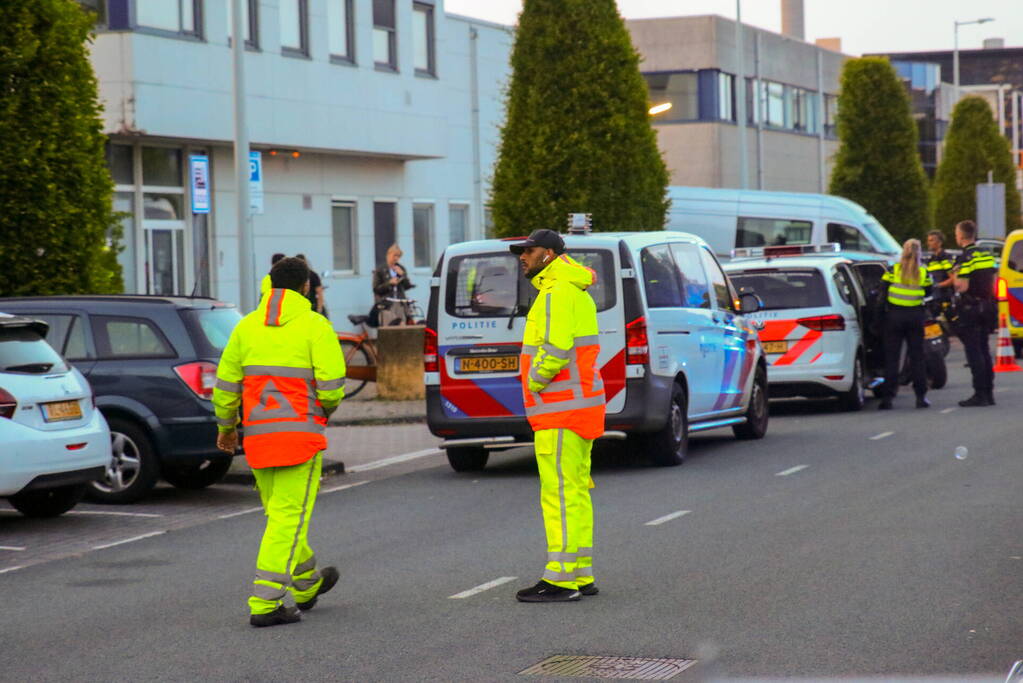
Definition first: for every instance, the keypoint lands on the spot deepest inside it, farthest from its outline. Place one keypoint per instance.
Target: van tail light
(1002, 289)
(823, 323)
(8, 404)
(199, 377)
(430, 351)
(637, 346)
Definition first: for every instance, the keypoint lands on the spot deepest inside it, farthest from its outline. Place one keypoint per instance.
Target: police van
(677, 354)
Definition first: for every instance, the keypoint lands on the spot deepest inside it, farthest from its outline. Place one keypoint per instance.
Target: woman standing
(390, 281)
(904, 289)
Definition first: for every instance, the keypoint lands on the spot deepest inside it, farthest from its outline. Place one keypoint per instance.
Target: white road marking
(791, 470)
(667, 518)
(12, 569)
(946, 411)
(343, 487)
(241, 512)
(112, 513)
(394, 460)
(882, 435)
(482, 587)
(128, 540)
(11, 547)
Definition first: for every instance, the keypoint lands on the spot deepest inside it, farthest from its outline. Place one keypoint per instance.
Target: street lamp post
(955, 55)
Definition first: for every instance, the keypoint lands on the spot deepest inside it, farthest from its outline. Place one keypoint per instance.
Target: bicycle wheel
(355, 357)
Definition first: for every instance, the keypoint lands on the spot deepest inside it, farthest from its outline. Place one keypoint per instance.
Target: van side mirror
(749, 302)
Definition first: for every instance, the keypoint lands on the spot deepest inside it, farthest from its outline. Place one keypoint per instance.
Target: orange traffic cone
(1004, 358)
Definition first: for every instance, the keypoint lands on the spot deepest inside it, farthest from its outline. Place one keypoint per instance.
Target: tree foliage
(878, 165)
(973, 147)
(577, 137)
(55, 189)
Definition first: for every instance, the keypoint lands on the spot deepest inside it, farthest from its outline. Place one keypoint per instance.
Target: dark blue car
(151, 361)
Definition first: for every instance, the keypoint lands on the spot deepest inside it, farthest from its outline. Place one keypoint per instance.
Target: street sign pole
(246, 265)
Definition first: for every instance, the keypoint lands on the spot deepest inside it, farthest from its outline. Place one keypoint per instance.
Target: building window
(385, 48)
(294, 27)
(775, 96)
(423, 40)
(726, 97)
(342, 218)
(250, 20)
(458, 223)
(175, 16)
(831, 115)
(384, 232)
(341, 38)
(680, 90)
(422, 235)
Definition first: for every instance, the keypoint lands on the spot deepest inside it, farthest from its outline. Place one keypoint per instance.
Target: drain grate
(589, 666)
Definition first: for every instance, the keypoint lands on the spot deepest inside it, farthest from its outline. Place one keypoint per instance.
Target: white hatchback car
(812, 321)
(54, 440)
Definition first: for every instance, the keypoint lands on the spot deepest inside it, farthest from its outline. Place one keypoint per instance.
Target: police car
(814, 327)
(677, 354)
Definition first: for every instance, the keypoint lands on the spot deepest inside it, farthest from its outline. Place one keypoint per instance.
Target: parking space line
(241, 512)
(482, 587)
(129, 540)
(667, 518)
(343, 487)
(112, 513)
(882, 435)
(11, 569)
(404, 457)
(16, 548)
(791, 470)
(946, 411)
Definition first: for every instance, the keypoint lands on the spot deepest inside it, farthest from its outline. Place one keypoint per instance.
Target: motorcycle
(936, 346)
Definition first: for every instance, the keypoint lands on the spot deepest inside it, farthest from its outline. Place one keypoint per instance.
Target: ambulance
(677, 354)
(1010, 288)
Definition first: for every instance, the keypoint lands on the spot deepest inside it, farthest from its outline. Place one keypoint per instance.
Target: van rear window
(784, 289)
(491, 285)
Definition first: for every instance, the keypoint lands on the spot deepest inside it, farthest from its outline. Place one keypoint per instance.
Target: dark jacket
(382, 286)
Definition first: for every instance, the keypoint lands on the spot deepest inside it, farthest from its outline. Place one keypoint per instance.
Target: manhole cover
(589, 666)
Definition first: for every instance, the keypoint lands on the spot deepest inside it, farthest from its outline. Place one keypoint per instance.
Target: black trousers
(978, 355)
(904, 324)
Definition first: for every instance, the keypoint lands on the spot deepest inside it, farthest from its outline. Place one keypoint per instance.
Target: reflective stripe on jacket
(561, 383)
(906, 295)
(284, 367)
(974, 259)
(939, 265)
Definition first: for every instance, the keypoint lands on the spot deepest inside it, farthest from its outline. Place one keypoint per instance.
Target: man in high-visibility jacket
(284, 369)
(564, 399)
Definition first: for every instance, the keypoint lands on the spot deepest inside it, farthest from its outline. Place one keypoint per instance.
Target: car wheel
(197, 475)
(133, 469)
(757, 413)
(47, 502)
(854, 399)
(670, 446)
(937, 371)
(467, 458)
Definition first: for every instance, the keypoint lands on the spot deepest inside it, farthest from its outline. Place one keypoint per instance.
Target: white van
(735, 219)
(676, 352)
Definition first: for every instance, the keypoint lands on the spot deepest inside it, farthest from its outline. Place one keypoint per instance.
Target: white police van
(677, 354)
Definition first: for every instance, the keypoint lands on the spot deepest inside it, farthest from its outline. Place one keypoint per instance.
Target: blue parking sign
(256, 182)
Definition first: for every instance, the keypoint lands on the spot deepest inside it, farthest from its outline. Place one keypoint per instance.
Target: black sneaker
(922, 402)
(281, 615)
(589, 589)
(975, 401)
(547, 592)
(330, 576)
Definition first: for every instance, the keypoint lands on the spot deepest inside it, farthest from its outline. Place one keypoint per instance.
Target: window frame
(353, 235)
(101, 338)
(252, 40)
(303, 32)
(454, 207)
(431, 40)
(392, 40)
(349, 58)
(196, 33)
(431, 214)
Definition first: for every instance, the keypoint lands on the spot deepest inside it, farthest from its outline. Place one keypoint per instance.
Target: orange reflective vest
(284, 368)
(561, 383)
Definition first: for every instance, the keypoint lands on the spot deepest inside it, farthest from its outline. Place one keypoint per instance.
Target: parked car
(152, 363)
(54, 441)
(735, 219)
(677, 354)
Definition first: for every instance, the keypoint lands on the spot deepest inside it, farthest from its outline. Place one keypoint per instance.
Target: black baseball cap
(547, 239)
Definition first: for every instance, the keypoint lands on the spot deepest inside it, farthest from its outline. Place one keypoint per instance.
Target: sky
(865, 26)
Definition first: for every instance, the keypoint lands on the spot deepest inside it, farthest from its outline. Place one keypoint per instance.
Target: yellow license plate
(488, 364)
(776, 347)
(932, 331)
(62, 410)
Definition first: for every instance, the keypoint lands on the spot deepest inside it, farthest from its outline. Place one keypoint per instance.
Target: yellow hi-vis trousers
(563, 458)
(285, 561)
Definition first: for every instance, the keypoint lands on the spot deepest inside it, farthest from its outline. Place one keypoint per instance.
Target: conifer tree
(878, 165)
(973, 147)
(56, 218)
(577, 137)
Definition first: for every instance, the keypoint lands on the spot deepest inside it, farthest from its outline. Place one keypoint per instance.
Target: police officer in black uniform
(974, 278)
(939, 267)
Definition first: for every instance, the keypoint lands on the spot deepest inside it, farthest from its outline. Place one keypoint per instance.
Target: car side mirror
(749, 302)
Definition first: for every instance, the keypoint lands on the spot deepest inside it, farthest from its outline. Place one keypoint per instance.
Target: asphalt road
(842, 545)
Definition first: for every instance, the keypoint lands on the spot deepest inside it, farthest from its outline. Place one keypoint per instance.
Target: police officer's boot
(922, 402)
(281, 615)
(979, 399)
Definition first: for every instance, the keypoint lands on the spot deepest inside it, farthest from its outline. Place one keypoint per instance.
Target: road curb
(245, 476)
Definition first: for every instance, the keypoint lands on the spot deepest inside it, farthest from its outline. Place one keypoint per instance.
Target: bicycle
(360, 350)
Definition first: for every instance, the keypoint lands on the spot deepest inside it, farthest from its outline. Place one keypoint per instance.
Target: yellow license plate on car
(932, 331)
(62, 410)
(488, 364)
(776, 346)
